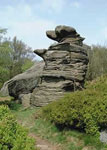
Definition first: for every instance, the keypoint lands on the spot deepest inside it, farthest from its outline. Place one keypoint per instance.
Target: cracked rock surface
(65, 66)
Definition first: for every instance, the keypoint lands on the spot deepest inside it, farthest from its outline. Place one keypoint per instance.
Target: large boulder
(65, 66)
(23, 83)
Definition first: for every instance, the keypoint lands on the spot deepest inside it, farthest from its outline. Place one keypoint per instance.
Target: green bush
(86, 110)
(12, 135)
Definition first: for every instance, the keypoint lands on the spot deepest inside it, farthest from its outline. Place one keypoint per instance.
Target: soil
(44, 144)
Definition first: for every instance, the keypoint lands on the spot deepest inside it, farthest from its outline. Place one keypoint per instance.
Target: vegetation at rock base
(65, 139)
(36, 119)
(12, 135)
(85, 110)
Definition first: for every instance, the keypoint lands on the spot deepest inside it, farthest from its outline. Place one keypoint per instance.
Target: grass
(7, 98)
(67, 139)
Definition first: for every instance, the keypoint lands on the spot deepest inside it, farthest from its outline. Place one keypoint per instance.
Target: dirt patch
(44, 144)
(2, 99)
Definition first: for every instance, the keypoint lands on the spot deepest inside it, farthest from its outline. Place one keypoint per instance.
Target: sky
(29, 19)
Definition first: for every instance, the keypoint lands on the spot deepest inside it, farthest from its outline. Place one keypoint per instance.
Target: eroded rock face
(65, 66)
(23, 83)
(65, 34)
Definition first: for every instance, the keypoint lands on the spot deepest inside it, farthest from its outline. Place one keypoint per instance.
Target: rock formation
(65, 66)
(64, 70)
(23, 83)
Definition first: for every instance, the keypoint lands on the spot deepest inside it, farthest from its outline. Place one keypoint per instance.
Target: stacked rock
(65, 34)
(65, 66)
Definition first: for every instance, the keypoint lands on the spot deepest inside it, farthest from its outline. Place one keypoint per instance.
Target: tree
(15, 57)
(97, 61)
(20, 52)
(5, 60)
(2, 32)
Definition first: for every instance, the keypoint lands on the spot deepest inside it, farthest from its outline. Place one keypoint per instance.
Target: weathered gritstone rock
(65, 66)
(24, 99)
(63, 70)
(23, 83)
(65, 33)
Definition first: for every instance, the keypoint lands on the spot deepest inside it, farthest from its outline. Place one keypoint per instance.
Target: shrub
(85, 109)
(12, 135)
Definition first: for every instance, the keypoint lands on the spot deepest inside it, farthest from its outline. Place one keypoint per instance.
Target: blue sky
(29, 19)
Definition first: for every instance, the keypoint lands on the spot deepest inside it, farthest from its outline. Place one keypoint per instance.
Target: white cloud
(75, 4)
(32, 32)
(22, 22)
(18, 12)
(55, 6)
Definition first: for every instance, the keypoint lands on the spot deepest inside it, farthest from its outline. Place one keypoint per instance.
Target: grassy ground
(8, 98)
(66, 139)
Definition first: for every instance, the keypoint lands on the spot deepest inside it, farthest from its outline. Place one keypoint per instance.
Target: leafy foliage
(97, 61)
(86, 110)
(21, 53)
(12, 135)
(15, 57)
(27, 64)
(63, 139)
